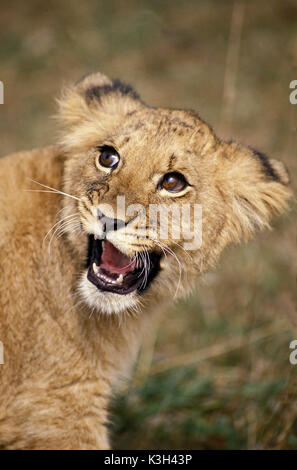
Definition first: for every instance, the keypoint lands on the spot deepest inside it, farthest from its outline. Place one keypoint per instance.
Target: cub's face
(157, 195)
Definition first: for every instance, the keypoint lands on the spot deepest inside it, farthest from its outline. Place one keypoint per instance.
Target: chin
(107, 302)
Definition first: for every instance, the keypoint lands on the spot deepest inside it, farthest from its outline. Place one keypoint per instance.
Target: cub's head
(157, 196)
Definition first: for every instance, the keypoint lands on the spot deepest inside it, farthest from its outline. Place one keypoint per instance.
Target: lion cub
(84, 262)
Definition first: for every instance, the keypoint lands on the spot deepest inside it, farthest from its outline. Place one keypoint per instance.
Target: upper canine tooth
(95, 268)
(120, 279)
(103, 244)
(95, 237)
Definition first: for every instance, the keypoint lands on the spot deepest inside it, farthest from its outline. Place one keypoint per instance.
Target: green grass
(174, 53)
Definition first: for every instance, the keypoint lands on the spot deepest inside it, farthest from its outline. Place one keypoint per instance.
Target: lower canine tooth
(95, 268)
(120, 279)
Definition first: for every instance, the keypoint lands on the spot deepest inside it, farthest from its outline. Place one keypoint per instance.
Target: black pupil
(109, 158)
(174, 182)
(171, 181)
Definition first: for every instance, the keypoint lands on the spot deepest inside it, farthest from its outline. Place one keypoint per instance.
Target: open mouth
(111, 270)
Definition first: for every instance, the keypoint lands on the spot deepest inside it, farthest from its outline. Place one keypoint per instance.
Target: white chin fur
(105, 302)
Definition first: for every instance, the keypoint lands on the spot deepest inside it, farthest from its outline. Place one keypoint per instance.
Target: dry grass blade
(231, 68)
(284, 417)
(217, 349)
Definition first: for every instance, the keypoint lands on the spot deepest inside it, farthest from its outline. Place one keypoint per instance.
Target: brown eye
(109, 157)
(173, 182)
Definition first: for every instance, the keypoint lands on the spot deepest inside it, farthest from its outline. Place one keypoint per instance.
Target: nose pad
(110, 224)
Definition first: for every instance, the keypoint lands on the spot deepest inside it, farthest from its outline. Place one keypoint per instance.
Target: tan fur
(65, 344)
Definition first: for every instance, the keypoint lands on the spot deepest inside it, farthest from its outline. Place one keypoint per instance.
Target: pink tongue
(114, 261)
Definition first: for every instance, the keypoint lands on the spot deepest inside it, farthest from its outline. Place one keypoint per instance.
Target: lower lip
(106, 286)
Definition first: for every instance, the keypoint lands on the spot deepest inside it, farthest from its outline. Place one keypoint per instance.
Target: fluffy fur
(66, 343)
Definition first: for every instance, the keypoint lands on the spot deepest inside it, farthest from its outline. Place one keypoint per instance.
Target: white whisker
(57, 223)
(52, 190)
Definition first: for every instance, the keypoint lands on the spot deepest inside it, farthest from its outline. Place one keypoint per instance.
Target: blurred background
(214, 372)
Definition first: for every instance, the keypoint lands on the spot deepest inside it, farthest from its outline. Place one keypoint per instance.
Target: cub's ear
(92, 80)
(274, 169)
(256, 188)
(93, 96)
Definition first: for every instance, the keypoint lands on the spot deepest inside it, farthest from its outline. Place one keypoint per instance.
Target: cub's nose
(108, 223)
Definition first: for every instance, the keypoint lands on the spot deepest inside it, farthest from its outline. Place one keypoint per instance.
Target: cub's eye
(173, 182)
(109, 157)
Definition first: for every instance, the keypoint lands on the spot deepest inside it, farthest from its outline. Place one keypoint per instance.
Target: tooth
(95, 237)
(95, 268)
(120, 279)
(103, 245)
